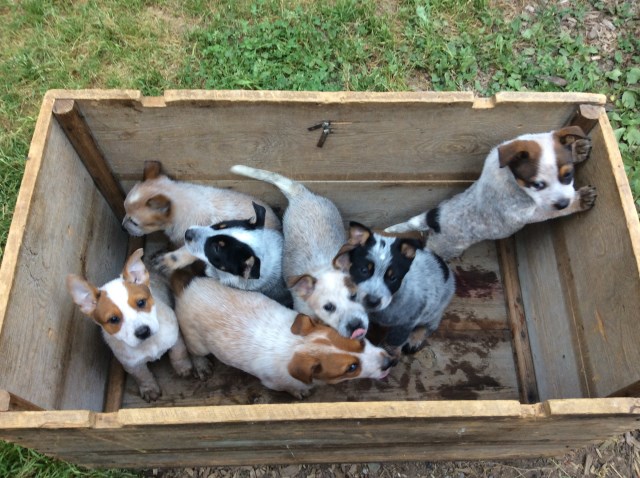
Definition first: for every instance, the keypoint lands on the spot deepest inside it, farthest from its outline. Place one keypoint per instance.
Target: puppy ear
(358, 234)
(251, 268)
(84, 294)
(302, 285)
(134, 270)
(342, 261)
(303, 325)
(261, 213)
(160, 203)
(507, 153)
(408, 247)
(568, 135)
(152, 170)
(304, 367)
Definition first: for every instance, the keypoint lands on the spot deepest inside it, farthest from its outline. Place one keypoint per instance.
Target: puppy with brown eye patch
(240, 253)
(162, 204)
(137, 322)
(528, 179)
(286, 350)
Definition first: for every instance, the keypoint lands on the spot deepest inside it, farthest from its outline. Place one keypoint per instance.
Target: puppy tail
(416, 223)
(288, 187)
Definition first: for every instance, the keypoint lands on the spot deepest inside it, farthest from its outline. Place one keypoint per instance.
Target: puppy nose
(561, 204)
(389, 362)
(371, 301)
(122, 224)
(143, 332)
(189, 235)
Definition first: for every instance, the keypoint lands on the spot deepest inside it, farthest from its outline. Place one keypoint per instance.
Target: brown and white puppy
(286, 350)
(136, 322)
(161, 204)
(525, 180)
(313, 235)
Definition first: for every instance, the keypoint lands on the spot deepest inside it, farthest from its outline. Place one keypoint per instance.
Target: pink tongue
(358, 333)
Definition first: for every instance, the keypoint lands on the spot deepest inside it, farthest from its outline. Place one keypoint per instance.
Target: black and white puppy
(403, 286)
(242, 254)
(528, 179)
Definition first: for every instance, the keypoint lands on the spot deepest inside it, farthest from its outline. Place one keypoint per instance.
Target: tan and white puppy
(136, 322)
(528, 179)
(161, 204)
(286, 350)
(313, 235)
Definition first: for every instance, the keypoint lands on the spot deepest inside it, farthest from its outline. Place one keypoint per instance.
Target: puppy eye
(141, 303)
(329, 307)
(114, 320)
(538, 185)
(352, 368)
(353, 297)
(567, 176)
(391, 278)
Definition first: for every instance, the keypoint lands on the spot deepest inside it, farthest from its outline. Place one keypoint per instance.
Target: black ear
(261, 213)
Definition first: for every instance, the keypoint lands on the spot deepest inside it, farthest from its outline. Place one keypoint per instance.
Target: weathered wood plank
(602, 247)
(517, 321)
(11, 402)
(72, 122)
(199, 135)
(75, 232)
(586, 117)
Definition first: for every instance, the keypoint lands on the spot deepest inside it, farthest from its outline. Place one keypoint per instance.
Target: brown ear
(152, 169)
(303, 325)
(134, 270)
(302, 285)
(408, 248)
(510, 152)
(84, 294)
(304, 367)
(358, 234)
(569, 134)
(160, 203)
(342, 261)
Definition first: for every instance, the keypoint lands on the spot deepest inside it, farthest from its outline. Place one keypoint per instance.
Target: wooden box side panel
(312, 433)
(601, 252)
(398, 136)
(50, 354)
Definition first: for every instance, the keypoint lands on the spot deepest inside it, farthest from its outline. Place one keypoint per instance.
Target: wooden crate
(537, 353)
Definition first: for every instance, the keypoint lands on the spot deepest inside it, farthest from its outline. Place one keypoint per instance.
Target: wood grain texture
(517, 321)
(72, 122)
(602, 247)
(557, 358)
(72, 230)
(199, 135)
(312, 432)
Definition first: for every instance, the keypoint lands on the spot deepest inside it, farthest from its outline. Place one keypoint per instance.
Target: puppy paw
(581, 149)
(394, 351)
(164, 262)
(150, 392)
(417, 341)
(300, 394)
(202, 368)
(588, 195)
(183, 368)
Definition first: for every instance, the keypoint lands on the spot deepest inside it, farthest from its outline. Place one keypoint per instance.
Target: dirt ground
(616, 457)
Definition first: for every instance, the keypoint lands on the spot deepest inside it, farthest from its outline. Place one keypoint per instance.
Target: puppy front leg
(583, 200)
(202, 368)
(417, 340)
(170, 261)
(179, 358)
(147, 383)
(396, 339)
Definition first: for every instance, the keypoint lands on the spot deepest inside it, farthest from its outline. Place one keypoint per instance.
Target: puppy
(136, 322)
(286, 350)
(313, 235)
(404, 287)
(526, 180)
(161, 204)
(241, 253)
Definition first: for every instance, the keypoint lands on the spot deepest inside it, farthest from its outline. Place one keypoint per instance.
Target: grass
(386, 45)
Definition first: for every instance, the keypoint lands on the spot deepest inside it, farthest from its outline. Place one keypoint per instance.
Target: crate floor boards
(469, 358)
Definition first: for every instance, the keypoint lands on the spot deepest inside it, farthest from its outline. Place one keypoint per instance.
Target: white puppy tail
(288, 187)
(416, 223)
